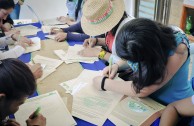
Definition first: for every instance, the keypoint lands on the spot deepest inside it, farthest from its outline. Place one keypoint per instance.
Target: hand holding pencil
(90, 42)
(111, 70)
(36, 119)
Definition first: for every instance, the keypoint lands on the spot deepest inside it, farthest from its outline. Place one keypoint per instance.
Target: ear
(2, 95)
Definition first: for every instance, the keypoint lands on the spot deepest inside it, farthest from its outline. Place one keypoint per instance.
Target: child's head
(16, 84)
(6, 7)
(146, 43)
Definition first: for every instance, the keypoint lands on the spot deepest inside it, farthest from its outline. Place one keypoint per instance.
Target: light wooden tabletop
(63, 73)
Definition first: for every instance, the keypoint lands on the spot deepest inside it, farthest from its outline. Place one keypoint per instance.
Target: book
(133, 111)
(52, 107)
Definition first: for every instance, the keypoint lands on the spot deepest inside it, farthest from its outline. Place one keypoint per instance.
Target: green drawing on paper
(137, 106)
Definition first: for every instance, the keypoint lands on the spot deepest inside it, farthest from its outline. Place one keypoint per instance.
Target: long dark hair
(6, 4)
(114, 30)
(16, 79)
(147, 43)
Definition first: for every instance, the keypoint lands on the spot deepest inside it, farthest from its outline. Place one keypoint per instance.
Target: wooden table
(63, 73)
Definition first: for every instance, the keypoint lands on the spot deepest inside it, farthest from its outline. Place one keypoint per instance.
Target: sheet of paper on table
(52, 107)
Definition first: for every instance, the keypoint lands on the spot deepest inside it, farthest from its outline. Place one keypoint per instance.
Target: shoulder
(181, 49)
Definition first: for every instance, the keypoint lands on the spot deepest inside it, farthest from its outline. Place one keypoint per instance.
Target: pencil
(90, 40)
(36, 113)
(110, 66)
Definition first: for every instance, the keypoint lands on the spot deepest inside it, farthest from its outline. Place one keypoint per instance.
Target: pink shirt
(109, 41)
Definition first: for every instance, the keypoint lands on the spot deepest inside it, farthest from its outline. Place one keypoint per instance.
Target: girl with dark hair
(159, 59)
(6, 7)
(15, 87)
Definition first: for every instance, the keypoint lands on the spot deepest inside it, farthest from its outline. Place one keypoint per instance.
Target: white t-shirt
(114, 56)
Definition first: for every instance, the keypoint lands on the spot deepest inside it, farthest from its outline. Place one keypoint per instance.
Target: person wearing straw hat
(100, 17)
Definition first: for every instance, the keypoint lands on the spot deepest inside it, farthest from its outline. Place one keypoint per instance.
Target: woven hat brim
(106, 25)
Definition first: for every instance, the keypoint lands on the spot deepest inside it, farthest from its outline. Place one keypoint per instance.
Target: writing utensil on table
(110, 67)
(35, 114)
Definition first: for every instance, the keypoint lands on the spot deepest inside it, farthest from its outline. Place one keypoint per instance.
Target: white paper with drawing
(27, 30)
(52, 107)
(50, 65)
(35, 46)
(136, 112)
(90, 104)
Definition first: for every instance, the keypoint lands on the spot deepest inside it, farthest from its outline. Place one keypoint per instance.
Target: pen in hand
(35, 114)
(110, 67)
(90, 41)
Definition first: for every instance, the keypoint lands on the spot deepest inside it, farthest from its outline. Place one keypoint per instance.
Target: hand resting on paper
(40, 120)
(61, 36)
(91, 42)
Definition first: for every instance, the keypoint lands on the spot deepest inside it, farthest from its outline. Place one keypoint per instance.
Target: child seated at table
(17, 83)
(175, 110)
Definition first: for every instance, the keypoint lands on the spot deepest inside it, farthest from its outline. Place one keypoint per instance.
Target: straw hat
(100, 16)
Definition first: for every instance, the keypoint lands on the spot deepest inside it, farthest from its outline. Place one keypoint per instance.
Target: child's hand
(91, 42)
(40, 120)
(114, 68)
(26, 40)
(11, 122)
(89, 52)
(55, 30)
(60, 36)
(36, 70)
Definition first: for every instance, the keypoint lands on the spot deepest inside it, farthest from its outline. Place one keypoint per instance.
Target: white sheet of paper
(90, 104)
(50, 63)
(52, 21)
(135, 111)
(27, 30)
(35, 46)
(47, 28)
(46, 73)
(50, 37)
(52, 107)
(22, 21)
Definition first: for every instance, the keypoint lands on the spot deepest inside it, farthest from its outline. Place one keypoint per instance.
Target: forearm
(122, 87)
(76, 37)
(169, 116)
(101, 42)
(12, 53)
(6, 40)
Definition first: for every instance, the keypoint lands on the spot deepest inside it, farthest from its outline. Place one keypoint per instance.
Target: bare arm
(183, 107)
(173, 65)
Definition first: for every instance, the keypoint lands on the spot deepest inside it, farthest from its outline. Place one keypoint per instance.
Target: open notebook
(90, 104)
(133, 111)
(52, 107)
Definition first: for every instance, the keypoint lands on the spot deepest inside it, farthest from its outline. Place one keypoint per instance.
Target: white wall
(45, 9)
(130, 7)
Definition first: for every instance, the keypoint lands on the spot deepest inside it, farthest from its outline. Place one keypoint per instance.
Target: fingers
(60, 37)
(12, 122)
(86, 43)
